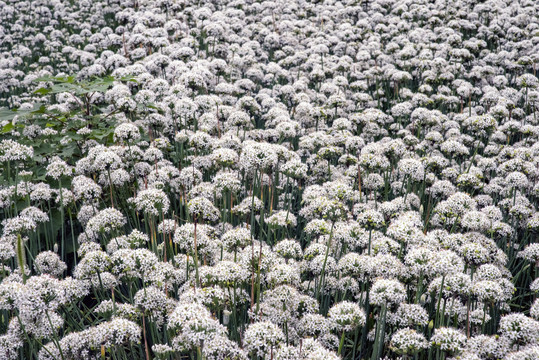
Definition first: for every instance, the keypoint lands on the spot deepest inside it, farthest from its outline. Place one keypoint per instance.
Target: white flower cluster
(261, 338)
(87, 344)
(347, 316)
(289, 180)
(154, 202)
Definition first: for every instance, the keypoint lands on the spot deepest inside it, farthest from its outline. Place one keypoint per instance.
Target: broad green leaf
(42, 91)
(7, 128)
(10, 114)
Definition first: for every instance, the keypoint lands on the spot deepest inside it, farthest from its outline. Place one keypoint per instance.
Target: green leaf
(44, 149)
(7, 128)
(98, 87)
(64, 87)
(43, 78)
(99, 135)
(9, 114)
(69, 150)
(42, 91)
(128, 78)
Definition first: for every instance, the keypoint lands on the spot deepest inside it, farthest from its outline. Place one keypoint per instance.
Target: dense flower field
(278, 180)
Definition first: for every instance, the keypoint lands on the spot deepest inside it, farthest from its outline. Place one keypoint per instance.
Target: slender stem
(341, 343)
(197, 278)
(21, 257)
(146, 350)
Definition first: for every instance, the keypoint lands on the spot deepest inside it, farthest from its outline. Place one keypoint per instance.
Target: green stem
(380, 334)
(322, 274)
(341, 343)
(21, 257)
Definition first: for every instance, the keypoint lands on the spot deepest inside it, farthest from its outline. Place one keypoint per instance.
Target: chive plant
(256, 180)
